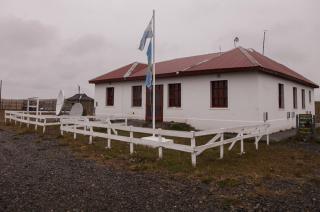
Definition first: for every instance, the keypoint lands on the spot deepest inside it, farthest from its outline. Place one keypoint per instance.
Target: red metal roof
(238, 59)
(118, 74)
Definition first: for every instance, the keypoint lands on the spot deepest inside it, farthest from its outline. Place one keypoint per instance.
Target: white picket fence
(43, 119)
(86, 127)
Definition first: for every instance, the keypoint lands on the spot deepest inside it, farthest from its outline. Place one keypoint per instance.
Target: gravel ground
(43, 175)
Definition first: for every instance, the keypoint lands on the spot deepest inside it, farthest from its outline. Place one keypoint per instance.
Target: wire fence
(44, 105)
(21, 104)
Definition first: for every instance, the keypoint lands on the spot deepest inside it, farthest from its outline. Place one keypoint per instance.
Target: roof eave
(275, 73)
(176, 74)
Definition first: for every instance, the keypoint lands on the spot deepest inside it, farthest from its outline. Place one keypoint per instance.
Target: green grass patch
(279, 159)
(228, 183)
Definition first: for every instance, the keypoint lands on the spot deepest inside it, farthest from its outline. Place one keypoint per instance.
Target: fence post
(44, 126)
(256, 142)
(131, 144)
(28, 121)
(61, 126)
(109, 139)
(241, 144)
(193, 146)
(267, 131)
(221, 146)
(36, 125)
(21, 117)
(74, 132)
(91, 132)
(160, 141)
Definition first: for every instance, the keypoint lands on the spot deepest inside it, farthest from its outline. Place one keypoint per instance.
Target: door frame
(159, 103)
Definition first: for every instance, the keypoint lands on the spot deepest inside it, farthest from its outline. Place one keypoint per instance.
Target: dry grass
(284, 159)
(277, 171)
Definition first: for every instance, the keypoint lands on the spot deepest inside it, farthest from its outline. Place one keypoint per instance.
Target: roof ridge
(190, 56)
(199, 63)
(249, 56)
(208, 60)
(130, 70)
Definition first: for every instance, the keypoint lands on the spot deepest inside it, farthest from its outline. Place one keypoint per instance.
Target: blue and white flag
(149, 54)
(149, 71)
(149, 79)
(146, 34)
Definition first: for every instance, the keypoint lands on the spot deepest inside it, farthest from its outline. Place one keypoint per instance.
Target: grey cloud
(86, 44)
(66, 43)
(18, 36)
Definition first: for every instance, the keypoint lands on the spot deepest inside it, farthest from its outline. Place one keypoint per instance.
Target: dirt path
(42, 175)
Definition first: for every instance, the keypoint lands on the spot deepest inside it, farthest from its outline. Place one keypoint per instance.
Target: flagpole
(154, 75)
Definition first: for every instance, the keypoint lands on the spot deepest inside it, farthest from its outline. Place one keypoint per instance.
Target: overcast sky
(48, 45)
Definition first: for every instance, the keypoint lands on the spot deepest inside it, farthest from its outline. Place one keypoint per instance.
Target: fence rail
(89, 125)
(48, 118)
(44, 119)
(88, 128)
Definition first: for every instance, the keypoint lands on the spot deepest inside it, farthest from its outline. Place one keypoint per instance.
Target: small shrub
(180, 126)
(228, 183)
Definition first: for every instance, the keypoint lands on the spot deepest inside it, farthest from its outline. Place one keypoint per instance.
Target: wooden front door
(159, 103)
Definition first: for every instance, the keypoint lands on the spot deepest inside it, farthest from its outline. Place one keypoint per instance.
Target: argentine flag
(146, 34)
(149, 71)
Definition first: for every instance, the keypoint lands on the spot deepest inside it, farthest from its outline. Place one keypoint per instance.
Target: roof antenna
(235, 41)
(79, 92)
(264, 40)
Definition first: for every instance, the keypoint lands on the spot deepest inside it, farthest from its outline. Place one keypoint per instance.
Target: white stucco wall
(268, 94)
(196, 101)
(249, 95)
(122, 100)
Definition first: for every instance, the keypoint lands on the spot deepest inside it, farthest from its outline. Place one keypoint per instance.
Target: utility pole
(0, 94)
(264, 40)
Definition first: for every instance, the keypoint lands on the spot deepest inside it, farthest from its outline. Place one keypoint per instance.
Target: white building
(238, 87)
